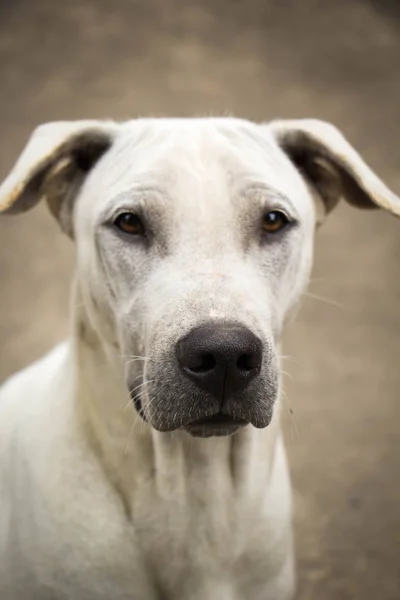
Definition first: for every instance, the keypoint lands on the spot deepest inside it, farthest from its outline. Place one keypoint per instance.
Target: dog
(143, 459)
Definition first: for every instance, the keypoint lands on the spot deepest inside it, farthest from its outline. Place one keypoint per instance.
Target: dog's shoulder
(22, 393)
(33, 377)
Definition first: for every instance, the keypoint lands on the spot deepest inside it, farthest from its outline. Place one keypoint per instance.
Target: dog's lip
(218, 420)
(137, 402)
(216, 424)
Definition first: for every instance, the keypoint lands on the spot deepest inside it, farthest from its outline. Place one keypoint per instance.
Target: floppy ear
(332, 166)
(54, 165)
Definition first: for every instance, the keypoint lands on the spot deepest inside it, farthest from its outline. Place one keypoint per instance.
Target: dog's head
(194, 240)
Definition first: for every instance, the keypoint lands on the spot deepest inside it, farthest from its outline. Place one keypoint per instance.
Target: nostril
(202, 363)
(248, 362)
(220, 358)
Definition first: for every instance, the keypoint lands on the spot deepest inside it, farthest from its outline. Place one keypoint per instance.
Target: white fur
(94, 502)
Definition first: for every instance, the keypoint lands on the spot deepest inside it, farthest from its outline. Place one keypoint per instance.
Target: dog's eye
(274, 221)
(129, 223)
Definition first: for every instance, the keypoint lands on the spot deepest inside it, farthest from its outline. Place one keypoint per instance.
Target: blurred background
(261, 59)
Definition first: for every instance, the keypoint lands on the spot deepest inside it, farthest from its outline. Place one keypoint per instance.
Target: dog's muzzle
(219, 378)
(222, 360)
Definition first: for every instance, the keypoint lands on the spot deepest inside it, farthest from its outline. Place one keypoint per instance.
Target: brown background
(337, 60)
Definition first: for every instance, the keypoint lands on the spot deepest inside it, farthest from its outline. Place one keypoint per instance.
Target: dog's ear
(53, 166)
(332, 166)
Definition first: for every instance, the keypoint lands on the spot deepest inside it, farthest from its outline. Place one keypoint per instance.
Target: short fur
(98, 501)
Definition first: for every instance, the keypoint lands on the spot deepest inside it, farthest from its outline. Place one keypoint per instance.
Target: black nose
(220, 358)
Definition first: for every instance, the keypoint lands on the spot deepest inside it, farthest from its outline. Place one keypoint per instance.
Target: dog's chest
(194, 536)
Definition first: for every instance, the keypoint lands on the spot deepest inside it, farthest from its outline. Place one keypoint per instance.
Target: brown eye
(129, 223)
(274, 221)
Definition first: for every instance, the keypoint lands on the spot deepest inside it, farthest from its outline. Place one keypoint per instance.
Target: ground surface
(258, 59)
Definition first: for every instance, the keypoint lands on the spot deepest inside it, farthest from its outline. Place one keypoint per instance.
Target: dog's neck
(132, 452)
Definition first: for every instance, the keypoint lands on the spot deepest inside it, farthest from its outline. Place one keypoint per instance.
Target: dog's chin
(217, 425)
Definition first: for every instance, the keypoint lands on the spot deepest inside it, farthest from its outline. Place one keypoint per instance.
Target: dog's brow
(139, 191)
(268, 195)
(134, 195)
(265, 189)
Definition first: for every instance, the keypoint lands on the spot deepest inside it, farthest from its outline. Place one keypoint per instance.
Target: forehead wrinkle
(134, 198)
(200, 157)
(266, 196)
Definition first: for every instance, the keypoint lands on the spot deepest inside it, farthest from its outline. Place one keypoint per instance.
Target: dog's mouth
(215, 425)
(137, 402)
(218, 425)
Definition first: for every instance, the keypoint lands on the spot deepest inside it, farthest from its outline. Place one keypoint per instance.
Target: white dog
(194, 240)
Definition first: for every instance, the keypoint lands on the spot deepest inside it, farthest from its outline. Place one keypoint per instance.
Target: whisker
(133, 390)
(140, 376)
(133, 356)
(141, 385)
(133, 360)
(288, 357)
(282, 372)
(326, 300)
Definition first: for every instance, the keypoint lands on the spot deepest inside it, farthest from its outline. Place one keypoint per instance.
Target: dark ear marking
(54, 165)
(332, 166)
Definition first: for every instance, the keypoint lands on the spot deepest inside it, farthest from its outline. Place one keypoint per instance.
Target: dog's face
(194, 240)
